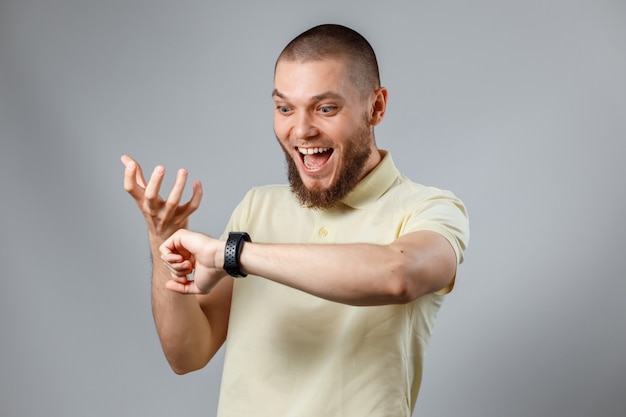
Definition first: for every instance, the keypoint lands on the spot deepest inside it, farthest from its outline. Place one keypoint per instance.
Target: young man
(339, 276)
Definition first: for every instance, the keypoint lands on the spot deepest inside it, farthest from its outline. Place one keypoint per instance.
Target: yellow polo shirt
(289, 353)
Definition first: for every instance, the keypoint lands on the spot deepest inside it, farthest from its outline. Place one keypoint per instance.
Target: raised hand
(163, 216)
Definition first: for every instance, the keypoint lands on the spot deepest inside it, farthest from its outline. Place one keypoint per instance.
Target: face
(325, 127)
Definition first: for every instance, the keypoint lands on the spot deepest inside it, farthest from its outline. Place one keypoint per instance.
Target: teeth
(311, 151)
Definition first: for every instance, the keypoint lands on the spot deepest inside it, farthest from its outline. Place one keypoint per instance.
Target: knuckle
(171, 204)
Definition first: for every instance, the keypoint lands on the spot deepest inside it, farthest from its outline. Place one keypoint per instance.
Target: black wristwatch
(232, 251)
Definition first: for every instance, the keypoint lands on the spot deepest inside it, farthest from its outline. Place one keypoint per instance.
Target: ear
(379, 105)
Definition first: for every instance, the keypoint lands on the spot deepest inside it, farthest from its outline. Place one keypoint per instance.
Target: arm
(191, 329)
(415, 264)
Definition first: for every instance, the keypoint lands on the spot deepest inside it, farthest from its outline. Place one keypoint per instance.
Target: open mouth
(314, 159)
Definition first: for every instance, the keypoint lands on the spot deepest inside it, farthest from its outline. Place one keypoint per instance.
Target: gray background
(518, 107)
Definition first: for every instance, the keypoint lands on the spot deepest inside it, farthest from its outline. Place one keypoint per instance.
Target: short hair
(339, 42)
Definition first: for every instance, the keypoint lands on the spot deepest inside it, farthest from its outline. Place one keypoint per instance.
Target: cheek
(343, 137)
(281, 130)
(342, 129)
(281, 138)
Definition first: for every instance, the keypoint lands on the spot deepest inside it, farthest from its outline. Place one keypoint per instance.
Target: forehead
(311, 78)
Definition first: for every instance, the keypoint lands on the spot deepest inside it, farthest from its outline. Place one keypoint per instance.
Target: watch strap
(232, 251)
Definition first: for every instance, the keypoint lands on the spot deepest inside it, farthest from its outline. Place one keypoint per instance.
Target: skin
(191, 330)
(334, 120)
(316, 106)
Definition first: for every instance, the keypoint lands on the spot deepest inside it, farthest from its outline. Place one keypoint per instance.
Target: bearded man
(325, 290)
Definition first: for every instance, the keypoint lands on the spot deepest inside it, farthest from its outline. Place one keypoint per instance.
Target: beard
(358, 150)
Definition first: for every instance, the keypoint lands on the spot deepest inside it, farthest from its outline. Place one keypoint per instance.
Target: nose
(304, 126)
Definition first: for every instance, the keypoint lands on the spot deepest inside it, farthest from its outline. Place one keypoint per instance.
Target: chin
(316, 184)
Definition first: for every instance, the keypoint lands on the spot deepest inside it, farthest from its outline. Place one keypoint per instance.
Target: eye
(328, 109)
(283, 109)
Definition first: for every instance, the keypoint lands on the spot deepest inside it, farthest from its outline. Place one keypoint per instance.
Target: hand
(188, 252)
(163, 217)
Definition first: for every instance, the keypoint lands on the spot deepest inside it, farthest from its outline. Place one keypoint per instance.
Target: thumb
(189, 287)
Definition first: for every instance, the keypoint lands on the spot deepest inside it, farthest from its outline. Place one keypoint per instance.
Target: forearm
(191, 329)
(185, 332)
(358, 274)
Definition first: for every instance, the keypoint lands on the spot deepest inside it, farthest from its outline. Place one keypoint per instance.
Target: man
(340, 274)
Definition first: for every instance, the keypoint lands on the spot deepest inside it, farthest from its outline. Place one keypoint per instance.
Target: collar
(374, 184)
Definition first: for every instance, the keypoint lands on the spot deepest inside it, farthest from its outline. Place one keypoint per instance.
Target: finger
(194, 202)
(170, 268)
(154, 186)
(137, 173)
(179, 269)
(130, 184)
(173, 249)
(126, 159)
(187, 288)
(171, 258)
(139, 177)
(173, 199)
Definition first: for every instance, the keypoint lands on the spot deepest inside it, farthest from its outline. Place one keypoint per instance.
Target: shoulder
(431, 208)
(415, 194)
(273, 193)
(271, 213)
(263, 200)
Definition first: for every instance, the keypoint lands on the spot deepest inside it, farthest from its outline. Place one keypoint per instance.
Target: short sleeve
(441, 212)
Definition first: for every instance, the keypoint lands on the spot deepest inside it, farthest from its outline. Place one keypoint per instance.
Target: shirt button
(323, 232)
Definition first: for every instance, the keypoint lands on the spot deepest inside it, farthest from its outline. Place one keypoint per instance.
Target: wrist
(232, 253)
(219, 256)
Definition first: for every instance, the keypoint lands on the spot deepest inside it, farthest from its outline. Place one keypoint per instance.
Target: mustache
(352, 162)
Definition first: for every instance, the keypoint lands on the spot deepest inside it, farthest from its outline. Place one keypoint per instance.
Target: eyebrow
(323, 96)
